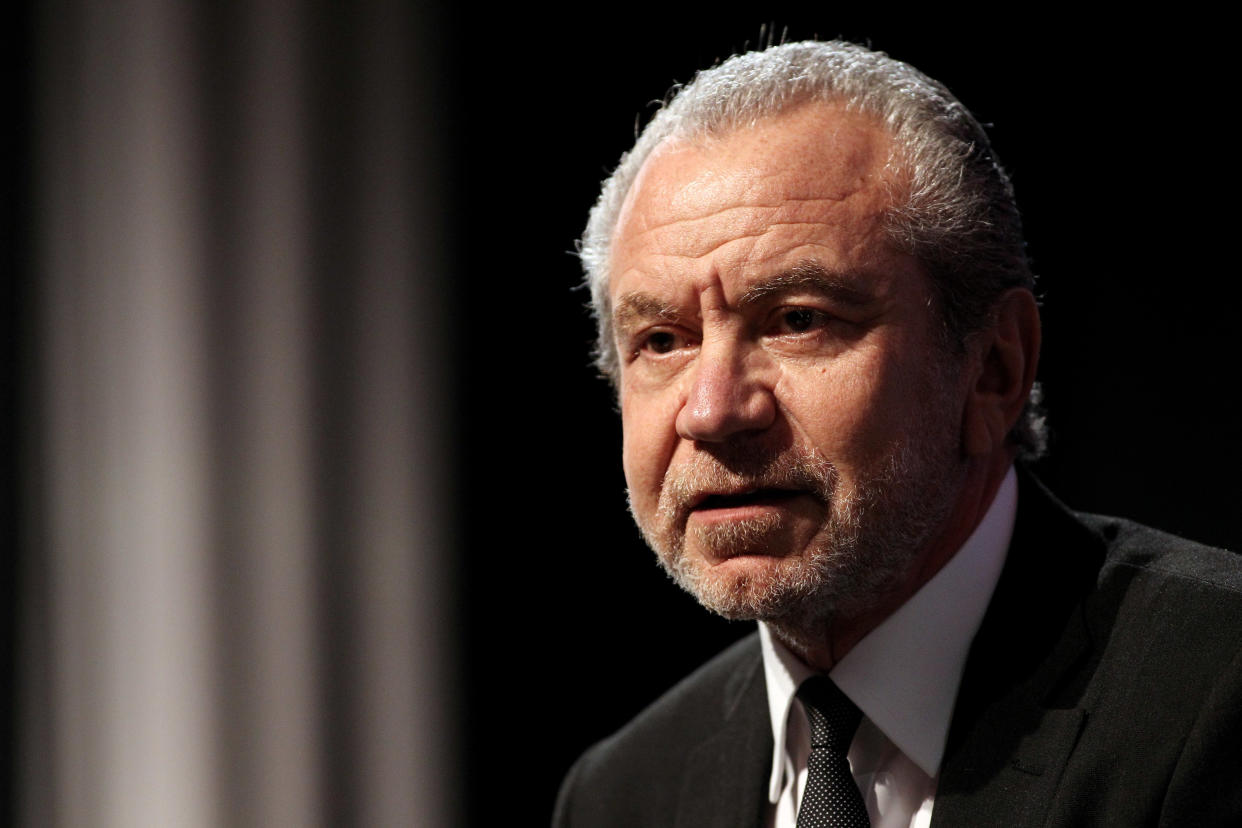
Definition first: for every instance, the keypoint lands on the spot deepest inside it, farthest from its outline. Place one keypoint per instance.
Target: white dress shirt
(903, 675)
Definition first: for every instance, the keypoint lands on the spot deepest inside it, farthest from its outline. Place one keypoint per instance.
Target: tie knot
(831, 714)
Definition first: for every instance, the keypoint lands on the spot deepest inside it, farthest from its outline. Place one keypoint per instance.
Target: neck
(822, 642)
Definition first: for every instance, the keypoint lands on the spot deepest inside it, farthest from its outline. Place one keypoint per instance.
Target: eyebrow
(811, 276)
(807, 275)
(631, 307)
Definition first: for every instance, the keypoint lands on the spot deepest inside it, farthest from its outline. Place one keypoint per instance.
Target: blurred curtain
(236, 569)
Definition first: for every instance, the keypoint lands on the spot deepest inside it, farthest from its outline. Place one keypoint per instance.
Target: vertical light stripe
(401, 738)
(278, 727)
(175, 668)
(126, 539)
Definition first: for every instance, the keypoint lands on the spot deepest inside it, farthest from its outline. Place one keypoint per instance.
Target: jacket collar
(1019, 711)
(724, 781)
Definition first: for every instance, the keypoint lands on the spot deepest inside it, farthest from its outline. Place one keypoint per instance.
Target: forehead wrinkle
(690, 249)
(638, 221)
(787, 203)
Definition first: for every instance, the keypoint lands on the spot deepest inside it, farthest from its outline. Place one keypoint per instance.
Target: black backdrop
(1113, 132)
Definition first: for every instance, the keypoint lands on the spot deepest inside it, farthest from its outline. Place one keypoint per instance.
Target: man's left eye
(801, 320)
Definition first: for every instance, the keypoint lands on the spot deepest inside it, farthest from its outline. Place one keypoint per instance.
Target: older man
(813, 297)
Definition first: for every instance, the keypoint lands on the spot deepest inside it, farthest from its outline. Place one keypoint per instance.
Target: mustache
(741, 467)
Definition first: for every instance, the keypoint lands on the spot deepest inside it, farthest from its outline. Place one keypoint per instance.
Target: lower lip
(758, 507)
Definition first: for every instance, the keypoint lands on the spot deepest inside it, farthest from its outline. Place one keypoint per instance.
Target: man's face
(791, 419)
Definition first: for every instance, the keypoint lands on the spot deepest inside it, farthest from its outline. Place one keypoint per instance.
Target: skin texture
(799, 446)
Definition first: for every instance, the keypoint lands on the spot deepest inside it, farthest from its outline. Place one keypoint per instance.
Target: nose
(726, 397)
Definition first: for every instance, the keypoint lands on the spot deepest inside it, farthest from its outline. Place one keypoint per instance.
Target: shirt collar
(905, 673)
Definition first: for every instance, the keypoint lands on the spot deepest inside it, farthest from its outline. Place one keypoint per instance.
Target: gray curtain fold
(237, 577)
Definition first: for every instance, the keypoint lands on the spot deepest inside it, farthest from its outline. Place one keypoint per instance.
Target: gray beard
(863, 551)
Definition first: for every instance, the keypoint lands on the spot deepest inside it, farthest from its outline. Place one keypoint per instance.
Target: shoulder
(1073, 552)
(1165, 611)
(1112, 654)
(639, 770)
(1170, 610)
(1133, 547)
(1178, 585)
(1167, 615)
(689, 712)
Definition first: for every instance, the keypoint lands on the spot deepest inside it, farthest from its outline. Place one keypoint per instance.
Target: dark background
(1123, 171)
(1116, 134)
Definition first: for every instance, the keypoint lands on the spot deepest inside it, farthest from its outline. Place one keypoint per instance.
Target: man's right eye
(660, 342)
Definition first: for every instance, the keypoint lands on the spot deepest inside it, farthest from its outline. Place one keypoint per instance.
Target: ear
(1007, 355)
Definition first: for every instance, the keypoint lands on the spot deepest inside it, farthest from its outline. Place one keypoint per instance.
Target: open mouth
(757, 497)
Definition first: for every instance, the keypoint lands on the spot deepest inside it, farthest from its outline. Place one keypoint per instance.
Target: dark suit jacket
(1104, 688)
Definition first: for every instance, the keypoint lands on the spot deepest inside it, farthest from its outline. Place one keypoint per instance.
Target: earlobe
(1007, 355)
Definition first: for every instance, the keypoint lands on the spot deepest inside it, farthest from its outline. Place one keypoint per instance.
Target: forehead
(812, 185)
(815, 183)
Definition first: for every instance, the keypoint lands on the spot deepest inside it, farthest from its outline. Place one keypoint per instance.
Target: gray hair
(958, 216)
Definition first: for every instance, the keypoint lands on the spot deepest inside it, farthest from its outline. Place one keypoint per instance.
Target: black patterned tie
(831, 798)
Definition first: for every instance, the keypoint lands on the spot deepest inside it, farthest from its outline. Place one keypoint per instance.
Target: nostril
(715, 411)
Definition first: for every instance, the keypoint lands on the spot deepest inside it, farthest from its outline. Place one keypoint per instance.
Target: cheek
(649, 438)
(849, 410)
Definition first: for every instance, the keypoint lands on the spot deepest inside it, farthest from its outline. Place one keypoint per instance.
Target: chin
(760, 587)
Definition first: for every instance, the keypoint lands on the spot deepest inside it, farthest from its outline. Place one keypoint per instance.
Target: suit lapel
(1019, 714)
(725, 783)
